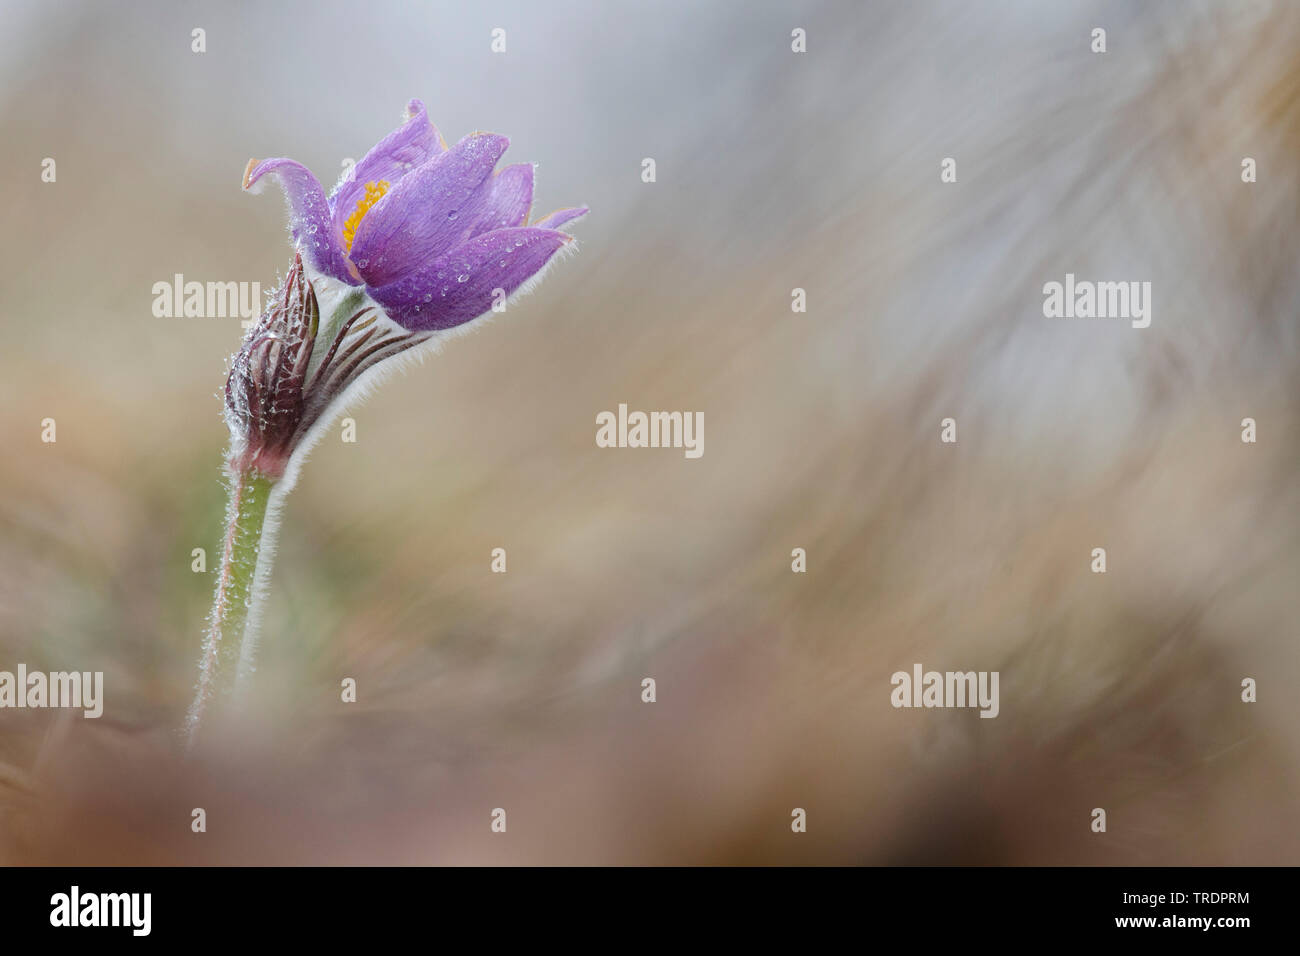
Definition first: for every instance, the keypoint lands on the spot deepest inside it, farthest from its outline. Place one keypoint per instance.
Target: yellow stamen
(374, 193)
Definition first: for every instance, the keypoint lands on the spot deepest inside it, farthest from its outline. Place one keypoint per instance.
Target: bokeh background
(775, 170)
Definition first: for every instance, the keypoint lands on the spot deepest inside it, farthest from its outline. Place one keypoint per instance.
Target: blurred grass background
(775, 171)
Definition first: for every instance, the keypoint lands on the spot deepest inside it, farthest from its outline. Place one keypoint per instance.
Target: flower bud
(264, 392)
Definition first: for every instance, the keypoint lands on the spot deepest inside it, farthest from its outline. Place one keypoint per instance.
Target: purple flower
(434, 235)
(423, 238)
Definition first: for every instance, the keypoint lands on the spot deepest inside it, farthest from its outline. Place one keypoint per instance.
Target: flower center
(374, 193)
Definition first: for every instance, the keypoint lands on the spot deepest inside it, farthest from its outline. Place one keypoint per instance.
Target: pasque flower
(417, 238)
(430, 231)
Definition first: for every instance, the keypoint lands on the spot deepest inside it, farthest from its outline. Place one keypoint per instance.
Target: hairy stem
(236, 592)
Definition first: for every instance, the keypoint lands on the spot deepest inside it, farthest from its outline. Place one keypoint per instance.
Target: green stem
(235, 595)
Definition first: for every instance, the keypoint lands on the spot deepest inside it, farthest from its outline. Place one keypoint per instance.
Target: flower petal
(501, 202)
(462, 284)
(406, 148)
(558, 218)
(310, 222)
(420, 217)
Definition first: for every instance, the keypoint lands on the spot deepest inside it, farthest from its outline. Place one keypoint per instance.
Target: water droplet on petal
(463, 277)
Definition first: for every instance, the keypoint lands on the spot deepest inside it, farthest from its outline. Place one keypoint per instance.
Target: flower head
(423, 238)
(433, 233)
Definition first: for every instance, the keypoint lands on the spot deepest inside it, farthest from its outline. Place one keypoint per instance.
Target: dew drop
(463, 277)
